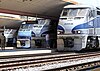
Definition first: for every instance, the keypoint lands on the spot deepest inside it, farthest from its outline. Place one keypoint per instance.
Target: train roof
(78, 6)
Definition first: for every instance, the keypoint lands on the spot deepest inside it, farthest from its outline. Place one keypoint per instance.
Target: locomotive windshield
(26, 26)
(71, 12)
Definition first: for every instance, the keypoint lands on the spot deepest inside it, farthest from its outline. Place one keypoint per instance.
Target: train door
(92, 39)
(97, 24)
(91, 23)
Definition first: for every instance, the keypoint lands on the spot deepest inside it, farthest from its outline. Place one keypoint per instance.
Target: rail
(49, 62)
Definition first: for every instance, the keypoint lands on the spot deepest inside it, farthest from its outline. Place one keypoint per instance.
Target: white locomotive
(32, 34)
(78, 28)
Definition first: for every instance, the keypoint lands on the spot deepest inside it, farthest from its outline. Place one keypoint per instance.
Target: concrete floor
(13, 51)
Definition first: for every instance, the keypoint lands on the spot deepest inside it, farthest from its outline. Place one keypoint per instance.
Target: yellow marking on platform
(71, 1)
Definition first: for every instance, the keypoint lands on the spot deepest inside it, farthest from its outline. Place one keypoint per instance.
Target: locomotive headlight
(60, 32)
(18, 42)
(88, 40)
(77, 32)
(33, 35)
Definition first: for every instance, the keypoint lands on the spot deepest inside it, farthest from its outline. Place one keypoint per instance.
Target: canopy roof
(40, 8)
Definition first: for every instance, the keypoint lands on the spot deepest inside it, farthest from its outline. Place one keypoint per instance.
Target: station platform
(10, 51)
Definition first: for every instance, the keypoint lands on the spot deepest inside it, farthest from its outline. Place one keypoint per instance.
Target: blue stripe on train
(86, 25)
(60, 28)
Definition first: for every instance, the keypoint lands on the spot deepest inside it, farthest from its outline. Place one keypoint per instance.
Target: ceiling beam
(25, 13)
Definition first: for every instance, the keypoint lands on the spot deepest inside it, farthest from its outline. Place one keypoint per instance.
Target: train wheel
(89, 45)
(96, 44)
(92, 43)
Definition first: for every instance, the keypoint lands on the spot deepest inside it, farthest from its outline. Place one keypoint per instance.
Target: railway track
(38, 61)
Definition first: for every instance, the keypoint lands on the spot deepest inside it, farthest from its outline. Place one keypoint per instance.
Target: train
(9, 26)
(78, 28)
(32, 33)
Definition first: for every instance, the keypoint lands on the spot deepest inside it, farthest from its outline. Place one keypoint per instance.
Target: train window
(65, 12)
(35, 26)
(32, 22)
(70, 12)
(73, 12)
(24, 26)
(41, 21)
(98, 12)
(30, 26)
(91, 14)
(39, 26)
(82, 12)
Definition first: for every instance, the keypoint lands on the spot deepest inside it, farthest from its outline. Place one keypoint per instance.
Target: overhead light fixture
(23, 0)
(26, 0)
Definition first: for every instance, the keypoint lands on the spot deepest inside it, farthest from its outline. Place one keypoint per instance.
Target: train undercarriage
(77, 42)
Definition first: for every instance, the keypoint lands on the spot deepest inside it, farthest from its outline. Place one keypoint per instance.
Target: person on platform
(2, 41)
(47, 41)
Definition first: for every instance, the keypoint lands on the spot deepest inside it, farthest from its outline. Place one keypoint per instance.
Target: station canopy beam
(42, 8)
